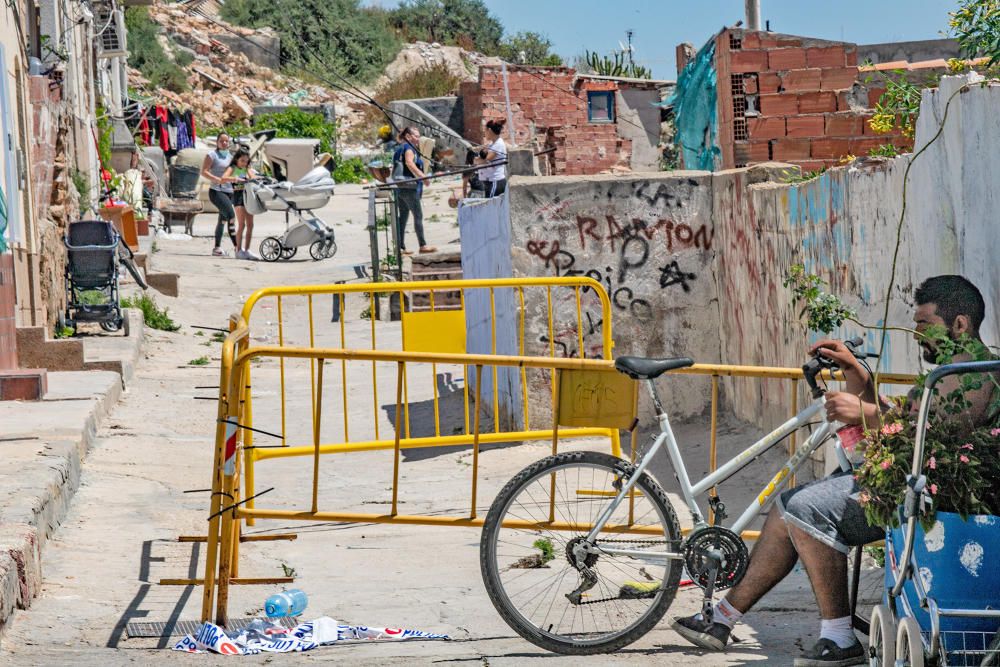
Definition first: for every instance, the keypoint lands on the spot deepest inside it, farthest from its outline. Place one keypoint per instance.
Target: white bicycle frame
(691, 491)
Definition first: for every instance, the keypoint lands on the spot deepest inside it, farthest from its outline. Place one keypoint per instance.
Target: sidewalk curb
(48, 455)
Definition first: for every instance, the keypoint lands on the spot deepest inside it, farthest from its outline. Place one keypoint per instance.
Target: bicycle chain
(647, 542)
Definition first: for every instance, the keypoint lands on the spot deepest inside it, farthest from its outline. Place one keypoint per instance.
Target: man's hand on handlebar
(839, 353)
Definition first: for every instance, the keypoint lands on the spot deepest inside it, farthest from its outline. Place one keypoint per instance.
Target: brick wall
(549, 108)
(813, 104)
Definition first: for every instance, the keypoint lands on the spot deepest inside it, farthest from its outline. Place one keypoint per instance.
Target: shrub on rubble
(147, 55)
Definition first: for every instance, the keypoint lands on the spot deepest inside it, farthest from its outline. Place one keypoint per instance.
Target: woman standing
(494, 178)
(408, 195)
(220, 192)
(237, 174)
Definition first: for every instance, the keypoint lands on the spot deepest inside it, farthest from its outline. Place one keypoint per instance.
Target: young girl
(238, 172)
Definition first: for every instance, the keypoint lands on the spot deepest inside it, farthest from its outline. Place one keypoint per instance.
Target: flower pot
(956, 560)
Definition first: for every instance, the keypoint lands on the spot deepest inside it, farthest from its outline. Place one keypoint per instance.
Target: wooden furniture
(123, 218)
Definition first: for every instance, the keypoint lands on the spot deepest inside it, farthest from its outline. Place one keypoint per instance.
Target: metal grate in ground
(180, 628)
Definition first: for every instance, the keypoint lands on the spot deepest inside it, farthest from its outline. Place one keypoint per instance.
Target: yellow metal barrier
(439, 327)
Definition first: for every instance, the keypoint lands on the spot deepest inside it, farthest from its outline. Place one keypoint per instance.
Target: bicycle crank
(716, 557)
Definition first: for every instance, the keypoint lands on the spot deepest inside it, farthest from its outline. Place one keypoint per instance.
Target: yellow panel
(596, 398)
(440, 331)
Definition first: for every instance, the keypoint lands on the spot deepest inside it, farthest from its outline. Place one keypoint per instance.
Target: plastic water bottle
(286, 603)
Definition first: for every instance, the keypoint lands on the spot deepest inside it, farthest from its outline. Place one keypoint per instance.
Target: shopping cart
(941, 603)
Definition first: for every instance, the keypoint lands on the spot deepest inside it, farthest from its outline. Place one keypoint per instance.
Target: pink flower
(995, 432)
(932, 463)
(967, 445)
(885, 464)
(934, 489)
(890, 429)
(963, 458)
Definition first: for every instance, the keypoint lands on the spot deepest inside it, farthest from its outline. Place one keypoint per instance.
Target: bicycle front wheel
(534, 573)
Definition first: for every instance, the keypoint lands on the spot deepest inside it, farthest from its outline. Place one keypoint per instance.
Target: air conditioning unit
(111, 22)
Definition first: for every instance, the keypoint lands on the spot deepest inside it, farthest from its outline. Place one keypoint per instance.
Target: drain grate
(181, 628)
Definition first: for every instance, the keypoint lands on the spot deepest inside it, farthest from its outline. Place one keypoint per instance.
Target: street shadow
(134, 611)
(451, 420)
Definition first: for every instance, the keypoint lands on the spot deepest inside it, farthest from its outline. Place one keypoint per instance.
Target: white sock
(838, 630)
(726, 613)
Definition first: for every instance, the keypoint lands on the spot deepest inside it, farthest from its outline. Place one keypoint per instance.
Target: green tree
(462, 22)
(529, 48)
(323, 35)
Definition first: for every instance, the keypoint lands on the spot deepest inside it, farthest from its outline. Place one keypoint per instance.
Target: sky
(660, 25)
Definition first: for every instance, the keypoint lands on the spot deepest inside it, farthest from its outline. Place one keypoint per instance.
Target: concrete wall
(448, 110)
(259, 49)
(650, 240)
(915, 51)
(639, 122)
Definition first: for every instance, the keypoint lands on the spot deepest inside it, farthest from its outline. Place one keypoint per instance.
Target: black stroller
(95, 251)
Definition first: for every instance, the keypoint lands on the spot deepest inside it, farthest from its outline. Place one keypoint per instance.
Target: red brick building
(592, 123)
(793, 99)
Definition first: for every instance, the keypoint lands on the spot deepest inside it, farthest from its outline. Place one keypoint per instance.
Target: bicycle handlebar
(819, 363)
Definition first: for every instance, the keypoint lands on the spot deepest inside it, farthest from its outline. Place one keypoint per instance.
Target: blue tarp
(694, 102)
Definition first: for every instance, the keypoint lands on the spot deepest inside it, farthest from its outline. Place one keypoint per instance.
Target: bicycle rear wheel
(531, 572)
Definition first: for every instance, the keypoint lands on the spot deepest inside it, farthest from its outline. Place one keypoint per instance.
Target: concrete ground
(140, 483)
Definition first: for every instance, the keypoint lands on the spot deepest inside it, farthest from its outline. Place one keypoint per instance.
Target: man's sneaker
(826, 653)
(218, 252)
(701, 633)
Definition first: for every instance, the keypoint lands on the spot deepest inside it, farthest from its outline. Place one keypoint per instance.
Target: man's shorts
(828, 509)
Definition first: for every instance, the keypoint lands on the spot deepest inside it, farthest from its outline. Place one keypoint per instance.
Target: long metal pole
(753, 14)
(510, 115)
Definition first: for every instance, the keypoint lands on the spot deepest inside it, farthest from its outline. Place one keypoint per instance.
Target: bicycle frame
(691, 491)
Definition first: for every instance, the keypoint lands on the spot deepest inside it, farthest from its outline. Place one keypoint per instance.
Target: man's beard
(930, 354)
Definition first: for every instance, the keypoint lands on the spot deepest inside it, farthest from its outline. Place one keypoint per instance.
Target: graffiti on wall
(632, 247)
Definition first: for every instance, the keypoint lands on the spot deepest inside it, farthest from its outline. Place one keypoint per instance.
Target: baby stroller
(941, 603)
(95, 250)
(310, 192)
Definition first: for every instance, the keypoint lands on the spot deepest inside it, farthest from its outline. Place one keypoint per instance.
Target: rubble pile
(225, 85)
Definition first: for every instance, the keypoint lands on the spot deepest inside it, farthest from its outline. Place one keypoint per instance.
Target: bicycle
(575, 575)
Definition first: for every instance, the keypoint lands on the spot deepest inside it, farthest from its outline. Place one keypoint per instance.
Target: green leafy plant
(885, 150)
(976, 27)
(824, 312)
(103, 136)
(792, 176)
(366, 314)
(899, 105)
(351, 170)
(295, 123)
(218, 337)
(152, 314)
(200, 361)
(91, 297)
(64, 332)
(544, 545)
(80, 183)
(960, 461)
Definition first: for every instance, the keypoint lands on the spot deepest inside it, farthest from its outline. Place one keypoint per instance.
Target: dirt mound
(419, 55)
